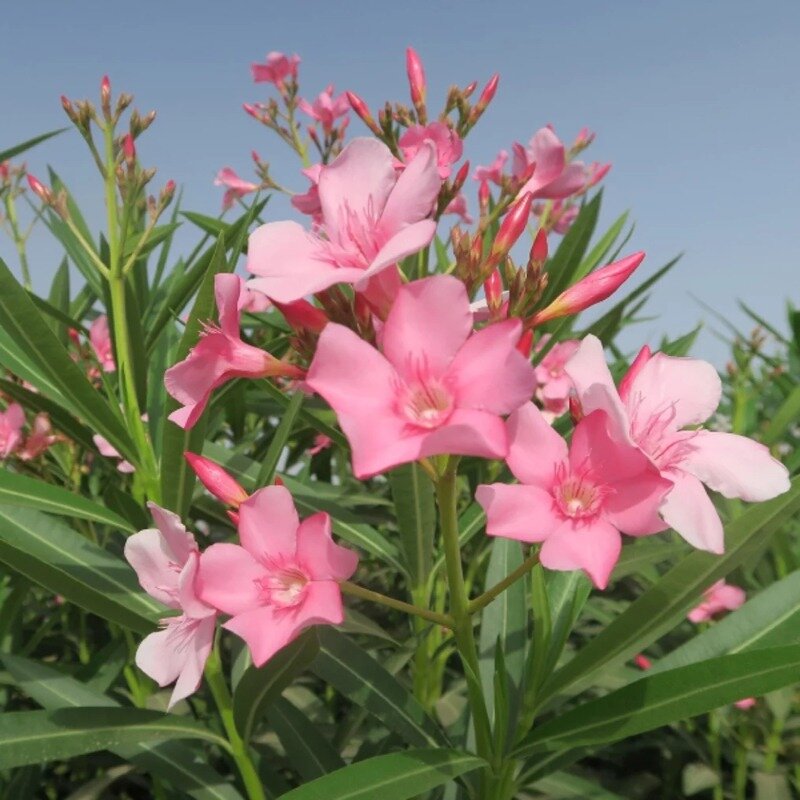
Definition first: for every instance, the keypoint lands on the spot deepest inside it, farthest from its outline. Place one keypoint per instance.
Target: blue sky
(695, 103)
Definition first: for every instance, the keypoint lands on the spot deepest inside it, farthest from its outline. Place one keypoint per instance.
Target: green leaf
(358, 676)
(22, 323)
(33, 737)
(665, 604)
(602, 248)
(415, 509)
(399, 776)
(11, 152)
(667, 697)
(782, 419)
(52, 555)
(562, 785)
(260, 686)
(280, 437)
(59, 299)
(19, 490)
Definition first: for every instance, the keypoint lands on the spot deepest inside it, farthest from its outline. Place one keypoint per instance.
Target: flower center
(427, 404)
(285, 587)
(577, 496)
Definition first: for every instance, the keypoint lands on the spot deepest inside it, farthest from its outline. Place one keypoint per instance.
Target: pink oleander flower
(659, 397)
(11, 422)
(575, 500)
(236, 187)
(109, 451)
(595, 172)
(554, 177)
(553, 384)
(434, 387)
(371, 219)
(100, 340)
(560, 216)
(643, 662)
(326, 108)
(220, 356)
(277, 68)
(255, 302)
(282, 579)
(458, 206)
(321, 442)
(494, 172)
(717, 599)
(746, 704)
(166, 560)
(39, 439)
(449, 146)
(308, 202)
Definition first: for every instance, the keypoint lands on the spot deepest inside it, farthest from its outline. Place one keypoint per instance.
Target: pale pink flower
(658, 397)
(553, 177)
(11, 422)
(276, 69)
(236, 187)
(553, 384)
(717, 599)
(220, 356)
(458, 206)
(308, 202)
(100, 340)
(746, 704)
(574, 500)
(447, 142)
(371, 219)
(494, 172)
(166, 560)
(39, 439)
(595, 172)
(284, 578)
(326, 108)
(255, 302)
(109, 451)
(321, 442)
(434, 387)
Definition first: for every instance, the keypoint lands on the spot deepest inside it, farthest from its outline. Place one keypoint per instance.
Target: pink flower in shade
(458, 206)
(553, 384)
(595, 172)
(255, 302)
(166, 560)
(658, 397)
(560, 215)
(746, 704)
(284, 578)
(643, 662)
(447, 142)
(11, 422)
(321, 442)
(574, 500)
(553, 177)
(39, 439)
(308, 203)
(109, 451)
(326, 108)
(100, 340)
(717, 599)
(220, 356)
(371, 219)
(276, 69)
(236, 187)
(434, 387)
(494, 172)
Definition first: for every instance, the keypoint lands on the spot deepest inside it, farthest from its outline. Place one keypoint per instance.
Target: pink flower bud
(493, 287)
(596, 286)
(470, 88)
(302, 315)
(461, 177)
(105, 89)
(217, 480)
(129, 148)
(511, 228)
(488, 93)
(525, 343)
(539, 249)
(251, 110)
(38, 188)
(643, 662)
(416, 77)
(483, 197)
(362, 109)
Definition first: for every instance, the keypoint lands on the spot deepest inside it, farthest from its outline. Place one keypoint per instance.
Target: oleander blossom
(326, 108)
(449, 146)
(717, 599)
(276, 69)
(236, 187)
(100, 340)
(166, 560)
(576, 500)
(11, 422)
(658, 398)
(282, 579)
(39, 439)
(371, 218)
(553, 385)
(220, 356)
(553, 176)
(434, 386)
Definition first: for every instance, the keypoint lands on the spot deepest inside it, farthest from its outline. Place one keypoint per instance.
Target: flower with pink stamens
(447, 142)
(553, 176)
(236, 187)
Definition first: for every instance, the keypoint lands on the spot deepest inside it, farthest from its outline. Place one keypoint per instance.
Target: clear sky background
(697, 104)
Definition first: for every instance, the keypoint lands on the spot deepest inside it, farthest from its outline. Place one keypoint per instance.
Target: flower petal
(468, 433)
(199, 648)
(268, 524)
(228, 579)
(535, 449)
(689, 510)
(147, 552)
(526, 513)
(405, 242)
(265, 630)
(319, 554)
(593, 547)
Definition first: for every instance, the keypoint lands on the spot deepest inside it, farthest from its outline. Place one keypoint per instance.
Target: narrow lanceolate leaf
(11, 152)
(174, 761)
(52, 555)
(412, 492)
(770, 619)
(399, 776)
(788, 413)
(60, 377)
(33, 737)
(665, 604)
(359, 677)
(260, 686)
(19, 490)
(563, 785)
(667, 697)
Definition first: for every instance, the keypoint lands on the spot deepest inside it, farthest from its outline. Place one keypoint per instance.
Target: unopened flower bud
(105, 96)
(69, 109)
(511, 228)
(468, 90)
(416, 82)
(302, 315)
(460, 178)
(493, 287)
(483, 197)
(216, 480)
(525, 343)
(539, 248)
(487, 95)
(128, 149)
(361, 108)
(39, 189)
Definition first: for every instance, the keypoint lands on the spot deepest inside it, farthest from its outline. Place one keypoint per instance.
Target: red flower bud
(511, 228)
(416, 79)
(525, 343)
(539, 248)
(38, 188)
(217, 480)
(302, 315)
(129, 148)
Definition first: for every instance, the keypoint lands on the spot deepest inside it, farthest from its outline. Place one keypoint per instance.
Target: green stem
(715, 746)
(19, 241)
(376, 597)
(222, 697)
(520, 572)
(740, 774)
(773, 745)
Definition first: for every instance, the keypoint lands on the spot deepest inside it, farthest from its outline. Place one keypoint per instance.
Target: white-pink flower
(717, 599)
(236, 187)
(449, 146)
(326, 108)
(100, 340)
(11, 422)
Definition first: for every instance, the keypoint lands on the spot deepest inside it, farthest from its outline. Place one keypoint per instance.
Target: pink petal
(228, 579)
(199, 648)
(180, 543)
(526, 513)
(405, 242)
(149, 555)
(571, 180)
(688, 509)
(547, 150)
(105, 447)
(265, 630)
(322, 604)
(429, 321)
(468, 433)
(268, 524)
(735, 466)
(229, 295)
(593, 547)
(490, 373)
(188, 595)
(319, 554)
(15, 416)
(535, 449)
(643, 356)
